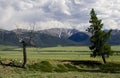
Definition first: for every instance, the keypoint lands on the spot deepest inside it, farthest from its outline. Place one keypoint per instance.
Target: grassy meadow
(60, 55)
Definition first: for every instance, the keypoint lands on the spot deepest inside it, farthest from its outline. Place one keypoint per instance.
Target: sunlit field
(54, 55)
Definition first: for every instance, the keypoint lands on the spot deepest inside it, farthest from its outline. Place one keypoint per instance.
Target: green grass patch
(49, 63)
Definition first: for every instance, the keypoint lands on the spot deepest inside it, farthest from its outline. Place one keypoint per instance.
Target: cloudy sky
(57, 13)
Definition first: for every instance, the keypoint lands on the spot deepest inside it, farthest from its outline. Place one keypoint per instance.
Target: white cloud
(7, 14)
(52, 24)
(58, 13)
(110, 24)
(59, 6)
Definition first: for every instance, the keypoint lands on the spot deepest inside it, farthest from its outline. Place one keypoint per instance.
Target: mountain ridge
(53, 37)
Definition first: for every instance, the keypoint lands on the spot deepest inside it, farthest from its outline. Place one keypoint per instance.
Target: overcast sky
(58, 13)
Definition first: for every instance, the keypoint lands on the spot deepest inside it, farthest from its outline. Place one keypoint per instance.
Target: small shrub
(71, 67)
(43, 66)
(35, 66)
(61, 68)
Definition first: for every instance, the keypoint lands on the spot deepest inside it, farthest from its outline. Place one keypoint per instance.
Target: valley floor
(54, 55)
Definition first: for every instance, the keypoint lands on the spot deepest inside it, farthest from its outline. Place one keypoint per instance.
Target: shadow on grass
(11, 64)
(69, 65)
(86, 65)
(84, 62)
(95, 66)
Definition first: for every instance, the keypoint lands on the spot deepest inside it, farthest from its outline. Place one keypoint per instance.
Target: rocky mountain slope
(53, 37)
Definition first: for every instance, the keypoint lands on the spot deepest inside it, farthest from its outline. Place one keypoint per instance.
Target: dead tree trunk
(24, 54)
(25, 43)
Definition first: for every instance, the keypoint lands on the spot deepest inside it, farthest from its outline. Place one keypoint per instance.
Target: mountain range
(52, 37)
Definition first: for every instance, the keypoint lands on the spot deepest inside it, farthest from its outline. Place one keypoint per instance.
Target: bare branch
(31, 34)
(18, 33)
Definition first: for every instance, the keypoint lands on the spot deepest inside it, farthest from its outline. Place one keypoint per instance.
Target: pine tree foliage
(99, 38)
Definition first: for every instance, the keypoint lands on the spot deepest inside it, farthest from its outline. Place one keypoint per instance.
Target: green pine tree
(99, 38)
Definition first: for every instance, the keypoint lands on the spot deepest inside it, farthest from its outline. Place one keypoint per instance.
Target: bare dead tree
(25, 43)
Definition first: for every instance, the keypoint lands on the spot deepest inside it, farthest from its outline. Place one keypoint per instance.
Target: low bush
(43, 66)
(60, 68)
(71, 67)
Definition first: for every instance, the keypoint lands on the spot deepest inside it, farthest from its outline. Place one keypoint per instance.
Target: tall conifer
(99, 46)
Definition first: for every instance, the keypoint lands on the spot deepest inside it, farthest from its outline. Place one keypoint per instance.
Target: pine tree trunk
(104, 60)
(24, 55)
